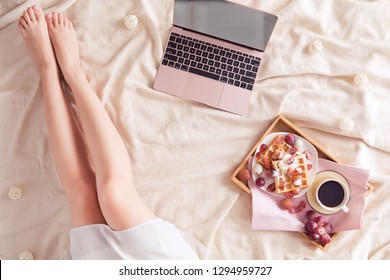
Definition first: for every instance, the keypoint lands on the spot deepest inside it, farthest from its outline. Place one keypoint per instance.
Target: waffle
(278, 144)
(273, 159)
(284, 181)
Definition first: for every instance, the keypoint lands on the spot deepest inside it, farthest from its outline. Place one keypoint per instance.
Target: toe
(22, 22)
(26, 17)
(55, 19)
(31, 14)
(21, 26)
(60, 19)
(66, 21)
(38, 12)
(49, 19)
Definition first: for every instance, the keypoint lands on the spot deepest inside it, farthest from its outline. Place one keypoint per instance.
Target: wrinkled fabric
(183, 153)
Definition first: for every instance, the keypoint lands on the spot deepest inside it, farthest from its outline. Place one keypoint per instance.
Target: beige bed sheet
(184, 152)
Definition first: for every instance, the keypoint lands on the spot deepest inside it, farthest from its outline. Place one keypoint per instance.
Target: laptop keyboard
(211, 61)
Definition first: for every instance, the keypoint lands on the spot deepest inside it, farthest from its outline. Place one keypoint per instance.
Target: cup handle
(345, 209)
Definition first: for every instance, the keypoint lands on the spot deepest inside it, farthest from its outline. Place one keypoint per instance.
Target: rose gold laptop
(214, 53)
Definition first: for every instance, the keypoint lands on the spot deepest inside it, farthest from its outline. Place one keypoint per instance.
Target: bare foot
(34, 31)
(64, 40)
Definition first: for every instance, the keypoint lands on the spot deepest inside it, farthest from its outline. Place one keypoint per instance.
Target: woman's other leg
(120, 203)
(65, 139)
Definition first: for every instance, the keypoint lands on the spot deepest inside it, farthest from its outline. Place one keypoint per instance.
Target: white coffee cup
(332, 195)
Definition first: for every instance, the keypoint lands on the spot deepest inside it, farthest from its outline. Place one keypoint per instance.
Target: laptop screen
(232, 22)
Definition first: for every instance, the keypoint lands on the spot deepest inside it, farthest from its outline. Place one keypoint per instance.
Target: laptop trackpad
(203, 90)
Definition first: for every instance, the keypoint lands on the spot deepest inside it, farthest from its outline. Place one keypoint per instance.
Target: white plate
(306, 146)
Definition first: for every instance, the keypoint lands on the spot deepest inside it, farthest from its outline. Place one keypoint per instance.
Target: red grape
(325, 239)
(267, 163)
(295, 210)
(263, 147)
(320, 220)
(271, 173)
(260, 182)
(259, 155)
(320, 230)
(311, 215)
(290, 139)
(308, 154)
(311, 226)
(298, 208)
(279, 141)
(317, 228)
(290, 172)
(328, 227)
(277, 154)
(302, 205)
(314, 236)
(293, 151)
(271, 187)
(290, 160)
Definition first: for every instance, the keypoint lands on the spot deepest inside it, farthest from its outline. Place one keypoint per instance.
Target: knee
(115, 192)
(111, 179)
(113, 187)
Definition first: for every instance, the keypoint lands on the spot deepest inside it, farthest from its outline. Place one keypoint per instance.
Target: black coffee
(331, 194)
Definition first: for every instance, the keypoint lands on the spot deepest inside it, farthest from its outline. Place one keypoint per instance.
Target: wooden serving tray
(281, 124)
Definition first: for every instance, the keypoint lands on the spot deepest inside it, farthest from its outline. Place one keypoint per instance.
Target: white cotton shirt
(151, 240)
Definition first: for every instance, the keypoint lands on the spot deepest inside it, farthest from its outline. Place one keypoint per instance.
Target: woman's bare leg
(65, 139)
(121, 205)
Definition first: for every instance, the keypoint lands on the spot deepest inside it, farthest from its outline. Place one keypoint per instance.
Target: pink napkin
(267, 214)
